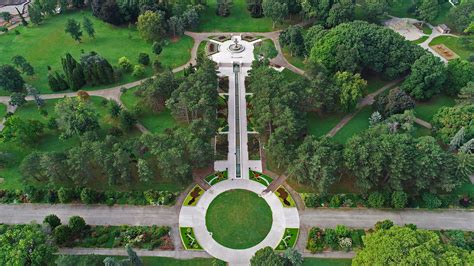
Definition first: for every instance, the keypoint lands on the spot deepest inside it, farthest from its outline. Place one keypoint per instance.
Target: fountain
(236, 47)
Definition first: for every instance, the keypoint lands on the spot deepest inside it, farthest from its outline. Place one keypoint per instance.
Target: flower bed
(193, 196)
(87, 196)
(221, 38)
(143, 237)
(289, 239)
(339, 238)
(285, 197)
(260, 178)
(189, 239)
(216, 178)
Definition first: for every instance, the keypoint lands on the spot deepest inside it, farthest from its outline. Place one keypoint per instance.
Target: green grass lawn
(44, 45)
(265, 48)
(297, 61)
(326, 262)
(239, 219)
(155, 122)
(321, 125)
(3, 111)
(375, 82)
(426, 110)
(420, 40)
(453, 44)
(426, 29)
(356, 125)
(239, 20)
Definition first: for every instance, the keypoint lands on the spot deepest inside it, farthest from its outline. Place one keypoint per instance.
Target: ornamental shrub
(383, 225)
(52, 220)
(331, 239)
(138, 71)
(431, 201)
(125, 64)
(341, 231)
(88, 196)
(311, 201)
(336, 201)
(376, 200)
(62, 234)
(144, 59)
(77, 225)
(399, 199)
(65, 195)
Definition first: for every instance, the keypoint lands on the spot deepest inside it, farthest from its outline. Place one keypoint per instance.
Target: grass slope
(426, 110)
(356, 125)
(155, 122)
(44, 45)
(239, 219)
(321, 125)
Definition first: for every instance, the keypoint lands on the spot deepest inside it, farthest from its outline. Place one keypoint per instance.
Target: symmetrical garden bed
(260, 178)
(216, 178)
(189, 239)
(289, 239)
(285, 197)
(193, 196)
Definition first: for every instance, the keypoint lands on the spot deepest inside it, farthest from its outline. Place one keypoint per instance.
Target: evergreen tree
(74, 29)
(88, 27)
(74, 75)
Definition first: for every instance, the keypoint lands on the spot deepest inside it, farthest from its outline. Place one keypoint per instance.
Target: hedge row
(76, 233)
(396, 200)
(87, 196)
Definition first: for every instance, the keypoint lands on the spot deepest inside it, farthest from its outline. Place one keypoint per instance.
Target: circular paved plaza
(195, 217)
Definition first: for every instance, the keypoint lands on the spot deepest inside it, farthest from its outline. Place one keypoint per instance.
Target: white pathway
(196, 217)
(236, 65)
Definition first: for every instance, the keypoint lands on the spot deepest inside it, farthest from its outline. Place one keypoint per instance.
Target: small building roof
(444, 27)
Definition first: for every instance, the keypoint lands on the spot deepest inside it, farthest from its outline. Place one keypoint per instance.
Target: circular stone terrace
(194, 217)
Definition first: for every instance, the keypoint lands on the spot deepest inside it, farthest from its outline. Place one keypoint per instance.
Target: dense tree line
(92, 69)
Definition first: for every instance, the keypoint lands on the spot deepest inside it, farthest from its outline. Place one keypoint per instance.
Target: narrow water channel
(238, 166)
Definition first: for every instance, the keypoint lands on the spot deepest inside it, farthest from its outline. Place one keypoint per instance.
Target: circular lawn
(239, 219)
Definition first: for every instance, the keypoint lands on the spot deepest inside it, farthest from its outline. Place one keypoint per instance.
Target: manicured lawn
(420, 40)
(239, 20)
(426, 110)
(265, 48)
(321, 125)
(297, 61)
(453, 44)
(3, 111)
(326, 262)
(239, 219)
(357, 124)
(155, 122)
(44, 45)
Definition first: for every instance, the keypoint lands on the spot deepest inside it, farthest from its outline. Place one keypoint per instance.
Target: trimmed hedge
(87, 196)
(385, 200)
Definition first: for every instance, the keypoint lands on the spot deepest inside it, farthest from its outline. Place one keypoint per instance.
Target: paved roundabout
(195, 217)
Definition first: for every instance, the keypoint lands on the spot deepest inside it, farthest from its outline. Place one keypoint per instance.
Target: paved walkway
(367, 100)
(195, 216)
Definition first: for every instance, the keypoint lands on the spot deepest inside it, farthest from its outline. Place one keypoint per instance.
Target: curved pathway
(195, 216)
